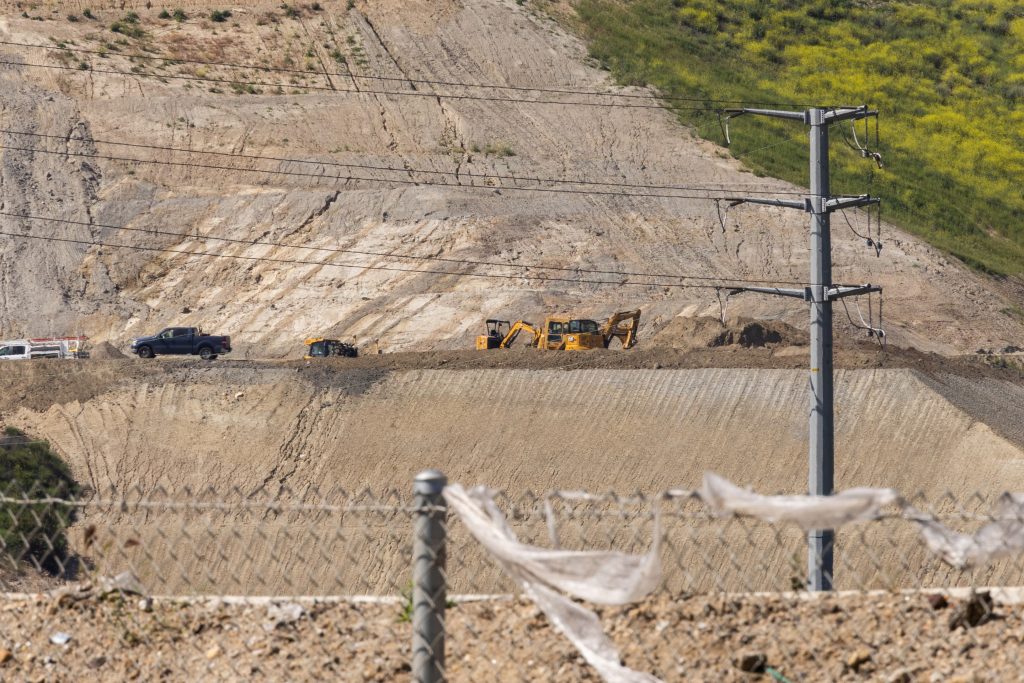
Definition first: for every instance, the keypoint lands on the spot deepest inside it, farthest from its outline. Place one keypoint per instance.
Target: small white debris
(60, 638)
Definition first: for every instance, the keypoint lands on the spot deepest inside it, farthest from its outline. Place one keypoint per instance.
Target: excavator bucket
(622, 326)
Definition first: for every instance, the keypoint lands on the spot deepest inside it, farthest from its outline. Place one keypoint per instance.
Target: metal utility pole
(820, 294)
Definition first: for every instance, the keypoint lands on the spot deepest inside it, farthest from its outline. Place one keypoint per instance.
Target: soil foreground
(876, 637)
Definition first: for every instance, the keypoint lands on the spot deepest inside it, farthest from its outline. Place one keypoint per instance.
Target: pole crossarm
(828, 116)
(779, 291)
(837, 203)
(802, 204)
(843, 292)
(848, 113)
(829, 205)
(774, 113)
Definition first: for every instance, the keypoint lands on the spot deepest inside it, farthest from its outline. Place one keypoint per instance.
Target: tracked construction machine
(501, 334)
(564, 333)
(319, 347)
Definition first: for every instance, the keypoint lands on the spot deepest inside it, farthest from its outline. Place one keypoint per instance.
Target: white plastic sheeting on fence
(810, 512)
(614, 578)
(609, 578)
(1003, 536)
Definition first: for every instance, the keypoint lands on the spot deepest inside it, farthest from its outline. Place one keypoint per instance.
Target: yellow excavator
(564, 333)
(501, 334)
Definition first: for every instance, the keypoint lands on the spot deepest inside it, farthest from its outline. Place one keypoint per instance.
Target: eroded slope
(269, 307)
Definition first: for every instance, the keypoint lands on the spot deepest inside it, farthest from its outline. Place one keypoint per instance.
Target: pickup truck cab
(181, 341)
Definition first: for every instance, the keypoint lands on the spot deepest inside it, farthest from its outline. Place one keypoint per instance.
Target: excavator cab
(572, 334)
(497, 330)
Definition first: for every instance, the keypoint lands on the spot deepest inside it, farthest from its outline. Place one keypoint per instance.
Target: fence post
(429, 582)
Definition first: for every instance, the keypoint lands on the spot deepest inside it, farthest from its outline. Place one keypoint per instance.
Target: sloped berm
(253, 433)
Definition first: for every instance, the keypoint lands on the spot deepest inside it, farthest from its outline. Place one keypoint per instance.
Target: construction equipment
(319, 347)
(501, 334)
(564, 333)
(613, 328)
(44, 347)
(496, 332)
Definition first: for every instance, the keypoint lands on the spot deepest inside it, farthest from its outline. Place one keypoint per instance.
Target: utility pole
(820, 295)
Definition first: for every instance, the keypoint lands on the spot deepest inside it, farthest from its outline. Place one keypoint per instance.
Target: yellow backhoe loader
(564, 333)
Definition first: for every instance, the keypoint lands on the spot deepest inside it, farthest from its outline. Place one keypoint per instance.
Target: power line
(416, 81)
(399, 181)
(338, 250)
(394, 169)
(269, 259)
(355, 91)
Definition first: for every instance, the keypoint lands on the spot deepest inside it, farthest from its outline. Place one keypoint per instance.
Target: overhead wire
(877, 332)
(876, 244)
(387, 169)
(355, 91)
(393, 169)
(402, 79)
(360, 252)
(358, 266)
(396, 181)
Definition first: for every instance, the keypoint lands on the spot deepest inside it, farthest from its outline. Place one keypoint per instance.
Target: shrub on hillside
(128, 25)
(34, 532)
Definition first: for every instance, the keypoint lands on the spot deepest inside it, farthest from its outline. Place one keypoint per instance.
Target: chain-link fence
(310, 584)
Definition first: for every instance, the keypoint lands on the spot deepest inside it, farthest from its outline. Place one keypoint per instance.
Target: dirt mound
(707, 332)
(106, 351)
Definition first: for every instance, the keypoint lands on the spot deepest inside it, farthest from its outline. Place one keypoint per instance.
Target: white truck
(43, 347)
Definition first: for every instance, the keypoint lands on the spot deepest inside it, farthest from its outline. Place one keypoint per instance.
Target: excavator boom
(520, 326)
(625, 333)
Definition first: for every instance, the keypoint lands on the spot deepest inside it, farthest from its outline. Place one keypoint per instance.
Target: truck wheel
(206, 353)
(145, 352)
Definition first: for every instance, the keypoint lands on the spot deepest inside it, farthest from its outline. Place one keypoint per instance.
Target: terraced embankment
(252, 431)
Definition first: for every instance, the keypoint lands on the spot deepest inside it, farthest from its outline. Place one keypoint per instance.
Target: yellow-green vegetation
(947, 77)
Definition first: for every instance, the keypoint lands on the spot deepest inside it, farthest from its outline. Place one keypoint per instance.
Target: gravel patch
(862, 637)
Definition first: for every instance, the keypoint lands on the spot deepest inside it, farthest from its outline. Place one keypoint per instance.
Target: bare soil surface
(884, 638)
(390, 219)
(943, 429)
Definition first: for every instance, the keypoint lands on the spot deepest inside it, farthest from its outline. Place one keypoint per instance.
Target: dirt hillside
(931, 302)
(297, 432)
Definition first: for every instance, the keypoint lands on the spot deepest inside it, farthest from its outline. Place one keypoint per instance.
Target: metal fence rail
(379, 586)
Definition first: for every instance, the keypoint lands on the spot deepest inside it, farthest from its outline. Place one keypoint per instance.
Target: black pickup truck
(181, 341)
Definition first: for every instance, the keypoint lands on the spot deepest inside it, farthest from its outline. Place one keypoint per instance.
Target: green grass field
(947, 78)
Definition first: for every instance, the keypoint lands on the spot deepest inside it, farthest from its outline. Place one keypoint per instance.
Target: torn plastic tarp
(602, 577)
(1003, 536)
(810, 512)
(613, 578)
